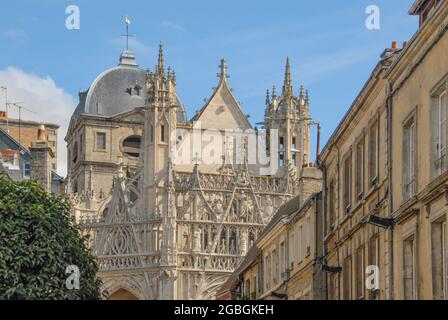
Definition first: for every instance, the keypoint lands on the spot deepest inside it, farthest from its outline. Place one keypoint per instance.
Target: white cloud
(172, 25)
(40, 94)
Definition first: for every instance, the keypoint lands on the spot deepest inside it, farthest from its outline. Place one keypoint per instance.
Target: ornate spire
(160, 63)
(223, 67)
(307, 97)
(287, 86)
(302, 92)
(274, 93)
(268, 99)
(302, 95)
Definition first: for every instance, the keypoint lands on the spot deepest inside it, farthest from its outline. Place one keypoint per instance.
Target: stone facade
(382, 229)
(385, 203)
(284, 263)
(164, 228)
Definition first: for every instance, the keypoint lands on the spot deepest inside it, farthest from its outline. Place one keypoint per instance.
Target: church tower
(290, 116)
(157, 165)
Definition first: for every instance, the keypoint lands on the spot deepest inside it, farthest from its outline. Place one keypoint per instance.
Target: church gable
(136, 115)
(223, 112)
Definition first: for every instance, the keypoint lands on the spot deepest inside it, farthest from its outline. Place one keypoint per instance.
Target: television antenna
(5, 90)
(20, 107)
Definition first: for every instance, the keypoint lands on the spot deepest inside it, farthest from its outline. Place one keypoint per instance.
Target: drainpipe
(389, 191)
(323, 209)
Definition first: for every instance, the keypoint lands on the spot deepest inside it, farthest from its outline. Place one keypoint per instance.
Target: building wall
(26, 132)
(347, 209)
(292, 274)
(95, 166)
(418, 78)
(304, 282)
(411, 255)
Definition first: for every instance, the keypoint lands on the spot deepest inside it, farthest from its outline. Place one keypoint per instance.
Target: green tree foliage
(38, 241)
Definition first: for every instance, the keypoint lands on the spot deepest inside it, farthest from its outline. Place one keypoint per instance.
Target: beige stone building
(384, 184)
(284, 263)
(25, 132)
(385, 196)
(169, 219)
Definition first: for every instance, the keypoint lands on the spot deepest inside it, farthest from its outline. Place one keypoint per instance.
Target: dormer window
(134, 91)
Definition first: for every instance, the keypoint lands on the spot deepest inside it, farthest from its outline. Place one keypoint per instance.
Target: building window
(359, 185)
(409, 161)
(359, 264)
(267, 275)
(27, 169)
(282, 151)
(274, 258)
(308, 235)
(373, 153)
(331, 286)
(80, 143)
(331, 204)
(348, 183)
(247, 289)
(439, 261)
(441, 111)
(283, 260)
(294, 151)
(348, 278)
(299, 244)
(101, 141)
(75, 186)
(131, 146)
(409, 269)
(75, 152)
(253, 295)
(291, 250)
(162, 133)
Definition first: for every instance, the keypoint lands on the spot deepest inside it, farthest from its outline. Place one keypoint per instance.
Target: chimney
(41, 133)
(41, 160)
(395, 45)
(310, 182)
(3, 114)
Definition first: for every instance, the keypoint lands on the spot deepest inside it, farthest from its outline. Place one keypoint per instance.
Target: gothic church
(168, 230)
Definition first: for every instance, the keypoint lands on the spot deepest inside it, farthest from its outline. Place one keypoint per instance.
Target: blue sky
(332, 52)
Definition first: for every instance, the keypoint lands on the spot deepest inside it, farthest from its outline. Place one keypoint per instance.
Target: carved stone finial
(274, 92)
(268, 98)
(223, 67)
(287, 86)
(160, 64)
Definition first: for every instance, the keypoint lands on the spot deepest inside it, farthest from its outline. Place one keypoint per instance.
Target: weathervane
(127, 21)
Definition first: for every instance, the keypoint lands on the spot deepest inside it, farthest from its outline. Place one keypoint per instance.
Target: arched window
(75, 152)
(131, 146)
